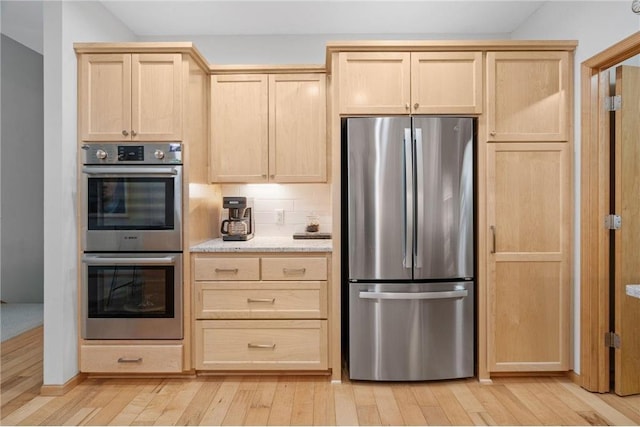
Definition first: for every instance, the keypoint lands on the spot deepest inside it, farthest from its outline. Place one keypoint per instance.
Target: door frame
(594, 206)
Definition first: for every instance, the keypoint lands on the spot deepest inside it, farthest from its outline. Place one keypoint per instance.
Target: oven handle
(97, 260)
(115, 170)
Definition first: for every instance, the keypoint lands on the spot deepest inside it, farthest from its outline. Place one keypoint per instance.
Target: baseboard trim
(61, 390)
(575, 377)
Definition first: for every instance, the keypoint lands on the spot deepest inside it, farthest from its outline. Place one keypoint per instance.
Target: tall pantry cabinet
(528, 223)
(520, 93)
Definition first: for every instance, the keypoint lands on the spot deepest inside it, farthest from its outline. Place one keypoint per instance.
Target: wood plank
(195, 410)
(258, 413)
(612, 415)
(368, 415)
(137, 405)
(302, 406)
(217, 410)
(626, 405)
(324, 408)
(493, 406)
(435, 416)
(450, 405)
(543, 412)
(408, 405)
(164, 393)
(178, 403)
(281, 407)
(15, 417)
(346, 412)
(125, 393)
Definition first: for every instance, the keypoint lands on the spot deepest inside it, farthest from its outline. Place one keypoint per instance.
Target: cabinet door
(239, 128)
(529, 231)
(105, 97)
(156, 97)
(527, 96)
(297, 128)
(446, 82)
(374, 82)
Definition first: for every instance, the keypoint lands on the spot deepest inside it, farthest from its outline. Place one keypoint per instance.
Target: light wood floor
(296, 400)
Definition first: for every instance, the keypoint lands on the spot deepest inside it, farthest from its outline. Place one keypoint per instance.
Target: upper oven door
(132, 208)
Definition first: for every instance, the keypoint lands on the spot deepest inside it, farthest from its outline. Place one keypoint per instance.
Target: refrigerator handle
(419, 245)
(408, 207)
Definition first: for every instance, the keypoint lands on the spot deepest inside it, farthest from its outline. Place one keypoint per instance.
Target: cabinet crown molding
(444, 45)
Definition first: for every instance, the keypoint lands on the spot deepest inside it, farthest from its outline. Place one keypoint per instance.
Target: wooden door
(528, 96)
(297, 128)
(105, 97)
(239, 128)
(528, 246)
(446, 82)
(627, 239)
(374, 82)
(156, 97)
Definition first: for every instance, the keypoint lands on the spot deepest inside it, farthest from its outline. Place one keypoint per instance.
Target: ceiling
(262, 17)
(22, 20)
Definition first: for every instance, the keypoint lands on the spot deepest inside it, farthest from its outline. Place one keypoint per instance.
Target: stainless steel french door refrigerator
(410, 245)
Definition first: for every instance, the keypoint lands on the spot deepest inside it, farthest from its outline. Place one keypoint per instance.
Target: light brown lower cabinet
(131, 358)
(261, 312)
(260, 344)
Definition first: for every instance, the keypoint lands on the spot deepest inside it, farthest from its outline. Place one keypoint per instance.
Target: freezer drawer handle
(268, 300)
(271, 346)
(414, 295)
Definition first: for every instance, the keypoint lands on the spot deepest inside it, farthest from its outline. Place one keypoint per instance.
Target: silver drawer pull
(294, 270)
(227, 270)
(126, 360)
(269, 300)
(271, 346)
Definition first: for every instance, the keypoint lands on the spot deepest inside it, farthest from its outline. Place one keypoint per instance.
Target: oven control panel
(147, 153)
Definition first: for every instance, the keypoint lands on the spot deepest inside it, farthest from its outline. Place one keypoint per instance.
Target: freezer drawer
(411, 332)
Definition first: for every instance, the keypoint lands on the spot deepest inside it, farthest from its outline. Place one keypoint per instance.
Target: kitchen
(232, 193)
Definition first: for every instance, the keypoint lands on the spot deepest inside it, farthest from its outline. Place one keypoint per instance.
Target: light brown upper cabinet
(268, 128)
(131, 97)
(410, 82)
(527, 96)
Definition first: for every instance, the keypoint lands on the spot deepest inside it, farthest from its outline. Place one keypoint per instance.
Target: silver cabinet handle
(227, 270)
(271, 346)
(128, 360)
(493, 239)
(289, 271)
(125, 133)
(414, 295)
(267, 300)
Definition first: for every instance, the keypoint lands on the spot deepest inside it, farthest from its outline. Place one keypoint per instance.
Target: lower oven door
(132, 296)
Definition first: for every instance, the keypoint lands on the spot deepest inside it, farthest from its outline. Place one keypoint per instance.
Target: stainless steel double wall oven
(132, 241)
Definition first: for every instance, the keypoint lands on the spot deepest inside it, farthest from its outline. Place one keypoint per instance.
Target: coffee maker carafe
(240, 224)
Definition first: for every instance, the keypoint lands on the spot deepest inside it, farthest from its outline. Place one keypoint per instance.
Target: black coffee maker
(240, 225)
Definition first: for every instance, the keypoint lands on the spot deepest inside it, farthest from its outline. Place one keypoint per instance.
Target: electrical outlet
(280, 216)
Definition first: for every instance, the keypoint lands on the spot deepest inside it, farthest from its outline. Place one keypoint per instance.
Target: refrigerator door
(444, 197)
(411, 332)
(380, 194)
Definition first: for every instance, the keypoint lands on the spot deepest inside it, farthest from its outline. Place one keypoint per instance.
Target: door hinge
(613, 103)
(611, 340)
(613, 222)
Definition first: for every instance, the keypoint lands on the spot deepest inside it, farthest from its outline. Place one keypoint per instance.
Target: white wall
(596, 25)
(291, 49)
(64, 23)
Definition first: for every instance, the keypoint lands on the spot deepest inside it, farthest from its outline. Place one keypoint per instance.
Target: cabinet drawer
(131, 358)
(227, 268)
(294, 269)
(251, 300)
(264, 345)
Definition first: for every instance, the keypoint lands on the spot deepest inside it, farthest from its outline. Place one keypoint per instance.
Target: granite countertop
(633, 290)
(265, 244)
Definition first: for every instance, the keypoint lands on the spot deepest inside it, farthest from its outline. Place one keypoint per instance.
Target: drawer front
(250, 300)
(227, 268)
(264, 345)
(294, 269)
(130, 358)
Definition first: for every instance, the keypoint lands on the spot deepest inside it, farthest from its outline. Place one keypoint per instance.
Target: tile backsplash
(297, 201)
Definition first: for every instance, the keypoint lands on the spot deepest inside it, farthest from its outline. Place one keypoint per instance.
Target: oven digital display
(130, 153)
